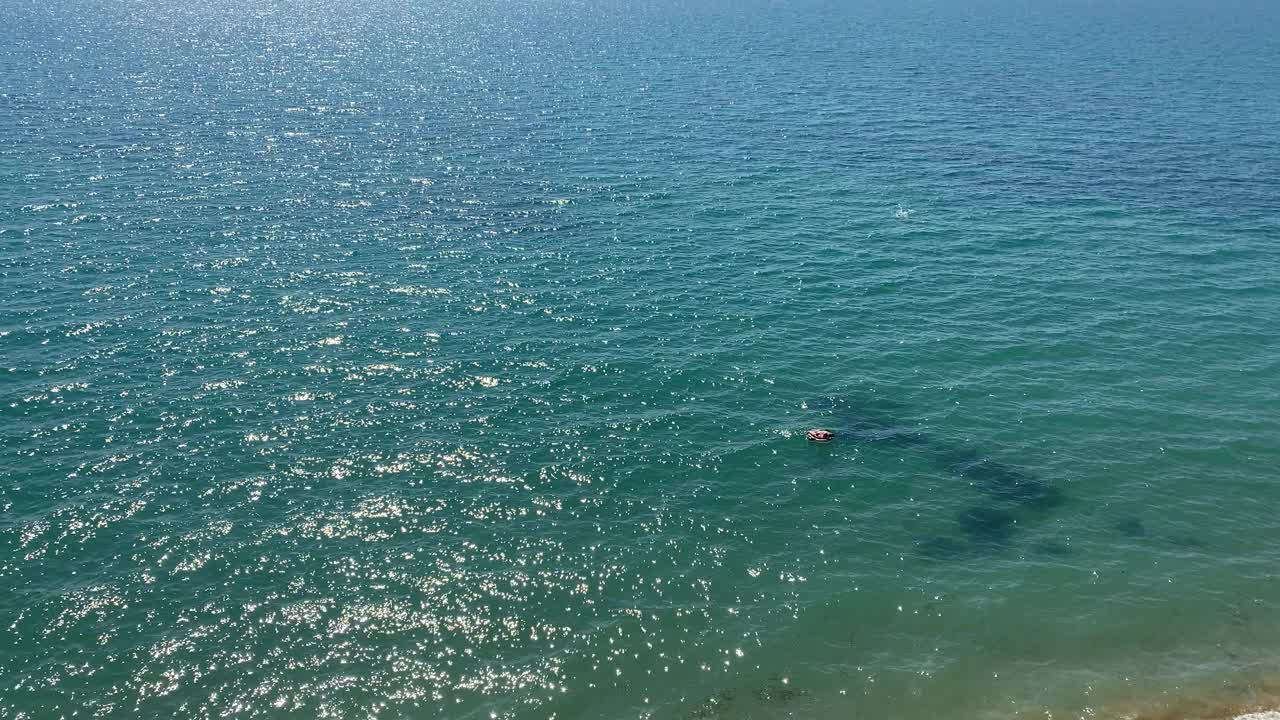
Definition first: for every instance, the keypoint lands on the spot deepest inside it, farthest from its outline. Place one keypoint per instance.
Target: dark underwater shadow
(1013, 496)
(726, 704)
(1009, 484)
(987, 526)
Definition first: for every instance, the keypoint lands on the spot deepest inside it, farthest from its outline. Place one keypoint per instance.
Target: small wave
(418, 291)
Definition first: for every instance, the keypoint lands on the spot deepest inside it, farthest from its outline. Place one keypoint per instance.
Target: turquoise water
(417, 360)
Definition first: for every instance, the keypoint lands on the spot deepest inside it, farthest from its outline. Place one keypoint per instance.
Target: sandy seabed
(1255, 699)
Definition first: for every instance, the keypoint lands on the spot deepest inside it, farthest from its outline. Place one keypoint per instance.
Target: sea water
(453, 359)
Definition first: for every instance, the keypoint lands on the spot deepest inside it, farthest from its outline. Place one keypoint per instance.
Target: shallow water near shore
(454, 360)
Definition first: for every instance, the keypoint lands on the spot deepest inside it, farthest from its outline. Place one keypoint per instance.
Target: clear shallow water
(449, 360)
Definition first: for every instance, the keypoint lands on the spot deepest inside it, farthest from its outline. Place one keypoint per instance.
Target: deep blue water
(417, 360)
